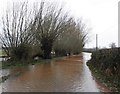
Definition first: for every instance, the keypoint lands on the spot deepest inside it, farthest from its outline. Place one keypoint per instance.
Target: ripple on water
(68, 74)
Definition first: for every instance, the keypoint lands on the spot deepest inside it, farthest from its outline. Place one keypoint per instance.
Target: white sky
(100, 15)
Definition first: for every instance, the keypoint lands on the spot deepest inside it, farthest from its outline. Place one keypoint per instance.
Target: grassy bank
(2, 53)
(12, 64)
(105, 66)
(109, 82)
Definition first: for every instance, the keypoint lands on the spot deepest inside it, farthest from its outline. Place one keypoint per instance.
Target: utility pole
(96, 41)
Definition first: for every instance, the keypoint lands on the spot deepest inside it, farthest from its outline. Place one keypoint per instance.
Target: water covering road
(69, 74)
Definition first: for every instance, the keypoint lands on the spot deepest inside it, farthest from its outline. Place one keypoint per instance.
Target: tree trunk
(47, 44)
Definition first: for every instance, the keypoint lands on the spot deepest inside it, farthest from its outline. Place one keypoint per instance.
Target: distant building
(119, 24)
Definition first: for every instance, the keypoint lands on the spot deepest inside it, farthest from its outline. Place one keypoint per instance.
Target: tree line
(39, 29)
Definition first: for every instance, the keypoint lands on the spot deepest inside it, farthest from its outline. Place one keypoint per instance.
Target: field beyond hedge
(105, 64)
(2, 53)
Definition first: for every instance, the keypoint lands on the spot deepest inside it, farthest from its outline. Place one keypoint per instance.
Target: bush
(107, 62)
(22, 52)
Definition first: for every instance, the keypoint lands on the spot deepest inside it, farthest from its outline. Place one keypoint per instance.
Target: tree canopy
(46, 26)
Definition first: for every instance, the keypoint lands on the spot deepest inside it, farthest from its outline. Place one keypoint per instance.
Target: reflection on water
(67, 75)
(3, 59)
(88, 82)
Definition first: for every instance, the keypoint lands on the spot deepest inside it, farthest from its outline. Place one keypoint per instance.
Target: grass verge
(12, 64)
(113, 83)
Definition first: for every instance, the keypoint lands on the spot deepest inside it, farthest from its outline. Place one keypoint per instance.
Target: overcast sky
(100, 15)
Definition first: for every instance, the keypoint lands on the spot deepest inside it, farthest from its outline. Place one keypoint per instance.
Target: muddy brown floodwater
(69, 74)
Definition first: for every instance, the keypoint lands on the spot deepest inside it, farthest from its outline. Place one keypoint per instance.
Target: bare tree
(16, 34)
(72, 40)
(112, 45)
(41, 27)
(49, 23)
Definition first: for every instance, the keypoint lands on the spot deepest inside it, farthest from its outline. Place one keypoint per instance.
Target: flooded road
(69, 74)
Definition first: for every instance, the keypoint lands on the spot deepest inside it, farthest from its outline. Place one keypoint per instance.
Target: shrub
(22, 52)
(107, 62)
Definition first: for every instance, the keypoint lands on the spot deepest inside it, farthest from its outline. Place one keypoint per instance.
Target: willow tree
(16, 36)
(49, 23)
(72, 40)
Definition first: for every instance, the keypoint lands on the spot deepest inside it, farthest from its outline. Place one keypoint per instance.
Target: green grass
(109, 81)
(12, 64)
(2, 53)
